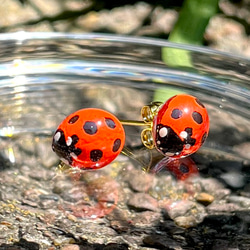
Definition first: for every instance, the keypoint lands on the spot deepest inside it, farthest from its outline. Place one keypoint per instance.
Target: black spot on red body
(197, 117)
(199, 102)
(77, 151)
(189, 139)
(176, 114)
(110, 123)
(75, 139)
(73, 119)
(63, 150)
(204, 137)
(95, 155)
(189, 131)
(116, 145)
(184, 169)
(90, 127)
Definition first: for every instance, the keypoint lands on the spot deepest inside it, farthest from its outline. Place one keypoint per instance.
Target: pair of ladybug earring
(92, 138)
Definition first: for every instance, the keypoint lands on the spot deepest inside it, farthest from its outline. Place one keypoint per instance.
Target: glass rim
(21, 36)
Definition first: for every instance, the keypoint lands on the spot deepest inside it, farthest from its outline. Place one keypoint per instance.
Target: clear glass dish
(45, 76)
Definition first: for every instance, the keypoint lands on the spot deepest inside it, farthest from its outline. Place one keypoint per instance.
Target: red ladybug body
(181, 126)
(89, 139)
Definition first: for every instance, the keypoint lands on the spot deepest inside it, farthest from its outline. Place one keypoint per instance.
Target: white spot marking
(158, 142)
(73, 155)
(57, 136)
(184, 134)
(163, 132)
(69, 141)
(187, 146)
(169, 154)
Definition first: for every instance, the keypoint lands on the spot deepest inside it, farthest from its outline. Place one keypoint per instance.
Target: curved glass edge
(81, 68)
(21, 36)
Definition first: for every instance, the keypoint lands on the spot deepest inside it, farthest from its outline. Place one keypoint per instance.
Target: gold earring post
(148, 113)
(133, 123)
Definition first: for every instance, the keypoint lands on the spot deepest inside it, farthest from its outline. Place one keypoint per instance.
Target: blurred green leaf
(189, 29)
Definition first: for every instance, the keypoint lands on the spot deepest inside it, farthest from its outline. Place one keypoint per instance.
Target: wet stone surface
(42, 207)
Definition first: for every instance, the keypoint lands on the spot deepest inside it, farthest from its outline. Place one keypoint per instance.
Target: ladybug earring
(177, 128)
(89, 139)
(92, 138)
